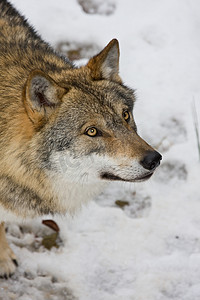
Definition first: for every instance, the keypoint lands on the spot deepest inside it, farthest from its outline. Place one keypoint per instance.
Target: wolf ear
(42, 95)
(105, 65)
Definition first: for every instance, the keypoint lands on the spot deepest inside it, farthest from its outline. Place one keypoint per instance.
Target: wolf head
(83, 122)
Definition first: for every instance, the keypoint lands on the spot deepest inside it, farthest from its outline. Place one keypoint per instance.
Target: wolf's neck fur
(62, 197)
(72, 195)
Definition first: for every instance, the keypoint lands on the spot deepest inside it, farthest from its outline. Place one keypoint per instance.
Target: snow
(151, 248)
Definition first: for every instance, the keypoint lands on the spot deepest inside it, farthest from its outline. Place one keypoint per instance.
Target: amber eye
(126, 115)
(92, 131)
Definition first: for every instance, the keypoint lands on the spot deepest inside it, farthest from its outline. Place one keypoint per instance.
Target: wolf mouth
(109, 176)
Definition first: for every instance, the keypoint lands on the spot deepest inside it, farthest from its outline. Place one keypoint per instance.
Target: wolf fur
(49, 163)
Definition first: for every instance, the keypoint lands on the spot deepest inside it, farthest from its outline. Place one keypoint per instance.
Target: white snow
(151, 248)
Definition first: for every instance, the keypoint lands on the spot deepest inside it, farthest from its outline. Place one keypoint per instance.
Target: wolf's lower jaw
(111, 177)
(144, 178)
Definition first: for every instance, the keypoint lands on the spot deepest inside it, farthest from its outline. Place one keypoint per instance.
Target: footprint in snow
(99, 7)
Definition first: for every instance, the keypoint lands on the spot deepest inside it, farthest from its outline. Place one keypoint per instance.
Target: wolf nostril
(151, 161)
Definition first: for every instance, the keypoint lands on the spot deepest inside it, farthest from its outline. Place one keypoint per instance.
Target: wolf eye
(126, 115)
(92, 131)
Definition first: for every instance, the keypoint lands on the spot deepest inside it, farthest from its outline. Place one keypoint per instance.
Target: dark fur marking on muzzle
(111, 177)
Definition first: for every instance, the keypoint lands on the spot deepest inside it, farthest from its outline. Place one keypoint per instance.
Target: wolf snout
(151, 160)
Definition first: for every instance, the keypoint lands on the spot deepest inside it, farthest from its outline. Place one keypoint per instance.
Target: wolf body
(64, 131)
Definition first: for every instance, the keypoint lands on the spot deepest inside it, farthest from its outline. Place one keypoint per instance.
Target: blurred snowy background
(136, 241)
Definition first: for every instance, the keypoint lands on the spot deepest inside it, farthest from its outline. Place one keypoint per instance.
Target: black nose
(151, 161)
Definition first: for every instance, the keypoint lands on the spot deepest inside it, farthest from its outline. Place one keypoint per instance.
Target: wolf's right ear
(105, 65)
(42, 95)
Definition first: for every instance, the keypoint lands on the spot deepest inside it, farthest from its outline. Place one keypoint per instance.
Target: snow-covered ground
(150, 249)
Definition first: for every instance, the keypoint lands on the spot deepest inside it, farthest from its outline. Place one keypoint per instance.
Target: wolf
(64, 131)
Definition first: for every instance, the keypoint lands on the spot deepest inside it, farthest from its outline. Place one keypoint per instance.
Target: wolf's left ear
(105, 65)
(42, 96)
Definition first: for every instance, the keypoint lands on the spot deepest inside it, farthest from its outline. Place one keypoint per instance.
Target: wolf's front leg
(8, 262)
